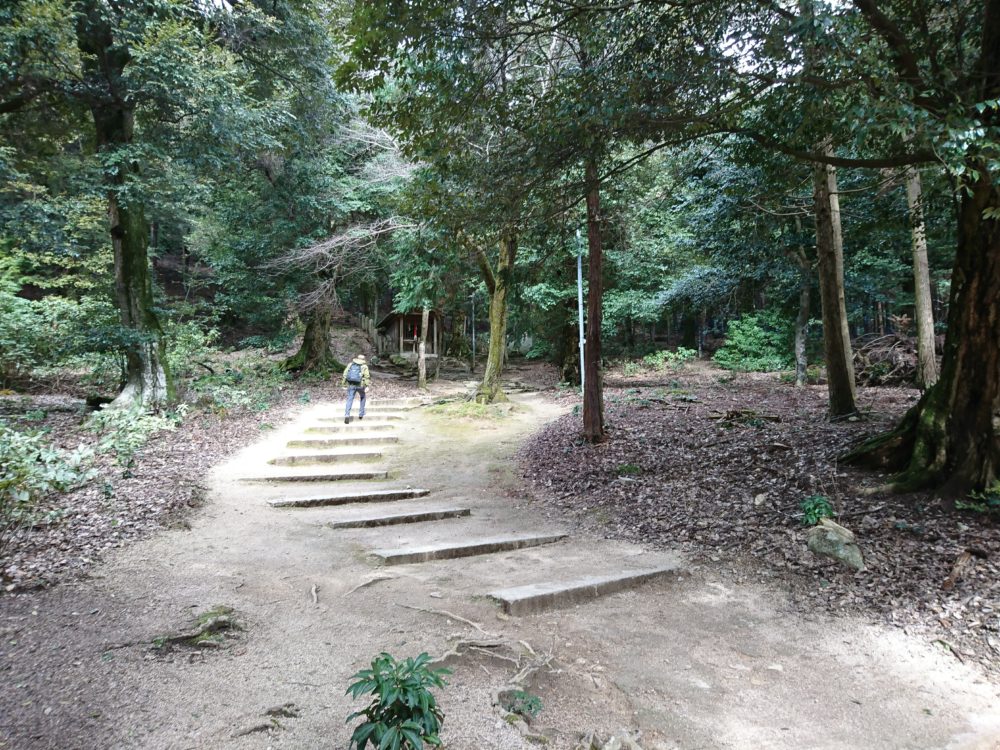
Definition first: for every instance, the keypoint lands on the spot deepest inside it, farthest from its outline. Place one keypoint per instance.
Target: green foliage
(123, 432)
(758, 342)
(275, 343)
(986, 501)
(814, 509)
(628, 470)
(30, 469)
(631, 368)
(188, 346)
(522, 702)
(248, 383)
(402, 713)
(665, 358)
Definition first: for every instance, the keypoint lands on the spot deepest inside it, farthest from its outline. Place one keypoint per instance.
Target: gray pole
(473, 297)
(579, 298)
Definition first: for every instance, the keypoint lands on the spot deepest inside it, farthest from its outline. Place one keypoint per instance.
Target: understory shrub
(248, 383)
(665, 358)
(31, 468)
(758, 342)
(55, 332)
(402, 713)
(124, 431)
(189, 347)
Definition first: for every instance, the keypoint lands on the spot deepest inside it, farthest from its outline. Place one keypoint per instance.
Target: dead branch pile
(885, 359)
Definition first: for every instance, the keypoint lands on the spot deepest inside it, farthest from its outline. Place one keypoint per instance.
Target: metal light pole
(579, 298)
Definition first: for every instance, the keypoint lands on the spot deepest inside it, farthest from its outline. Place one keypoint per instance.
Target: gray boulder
(830, 539)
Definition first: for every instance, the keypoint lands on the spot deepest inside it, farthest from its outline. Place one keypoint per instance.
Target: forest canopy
(777, 184)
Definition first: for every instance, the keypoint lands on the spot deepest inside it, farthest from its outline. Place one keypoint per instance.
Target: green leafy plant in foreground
(403, 713)
(814, 509)
(30, 469)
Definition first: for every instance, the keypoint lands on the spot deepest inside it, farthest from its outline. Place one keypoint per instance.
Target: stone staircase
(328, 452)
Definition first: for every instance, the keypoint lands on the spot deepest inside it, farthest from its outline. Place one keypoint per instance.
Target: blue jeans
(351, 390)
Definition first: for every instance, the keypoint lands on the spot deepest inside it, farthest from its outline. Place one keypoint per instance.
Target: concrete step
(312, 459)
(343, 442)
(382, 408)
(536, 597)
(403, 555)
(390, 519)
(374, 496)
(336, 476)
(354, 427)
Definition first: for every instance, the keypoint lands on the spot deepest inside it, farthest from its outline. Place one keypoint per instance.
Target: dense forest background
(806, 186)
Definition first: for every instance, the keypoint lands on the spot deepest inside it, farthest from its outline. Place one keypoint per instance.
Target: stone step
(536, 597)
(403, 555)
(390, 519)
(354, 426)
(374, 496)
(381, 408)
(380, 418)
(312, 459)
(343, 442)
(337, 476)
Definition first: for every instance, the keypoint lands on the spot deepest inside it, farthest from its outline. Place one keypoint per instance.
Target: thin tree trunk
(802, 319)
(923, 311)
(498, 285)
(593, 397)
(422, 350)
(829, 253)
(148, 381)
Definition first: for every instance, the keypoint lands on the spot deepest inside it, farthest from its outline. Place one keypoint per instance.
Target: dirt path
(688, 661)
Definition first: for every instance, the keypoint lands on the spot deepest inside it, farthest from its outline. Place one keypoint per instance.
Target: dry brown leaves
(718, 465)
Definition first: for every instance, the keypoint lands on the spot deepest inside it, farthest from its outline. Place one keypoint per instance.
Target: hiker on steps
(356, 378)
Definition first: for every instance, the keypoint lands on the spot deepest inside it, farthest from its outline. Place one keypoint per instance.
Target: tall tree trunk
(923, 311)
(422, 350)
(593, 386)
(314, 354)
(802, 319)
(952, 436)
(829, 253)
(498, 285)
(148, 381)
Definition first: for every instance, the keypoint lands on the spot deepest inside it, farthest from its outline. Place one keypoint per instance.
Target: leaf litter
(717, 465)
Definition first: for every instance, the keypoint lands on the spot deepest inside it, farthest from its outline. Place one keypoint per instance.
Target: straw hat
(360, 358)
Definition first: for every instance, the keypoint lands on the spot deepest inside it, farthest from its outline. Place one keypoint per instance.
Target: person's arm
(366, 377)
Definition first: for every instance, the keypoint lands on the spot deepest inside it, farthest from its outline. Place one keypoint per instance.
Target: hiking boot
(360, 417)
(347, 420)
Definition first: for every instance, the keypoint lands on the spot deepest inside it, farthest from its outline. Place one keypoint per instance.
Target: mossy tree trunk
(923, 310)
(830, 257)
(593, 386)
(148, 381)
(314, 354)
(498, 284)
(951, 438)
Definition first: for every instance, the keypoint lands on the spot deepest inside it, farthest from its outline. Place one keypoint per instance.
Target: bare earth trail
(685, 660)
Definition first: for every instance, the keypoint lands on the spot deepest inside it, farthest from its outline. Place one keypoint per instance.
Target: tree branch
(486, 270)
